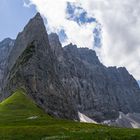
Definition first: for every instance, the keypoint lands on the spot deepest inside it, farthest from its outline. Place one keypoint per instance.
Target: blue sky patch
(78, 14)
(14, 16)
(97, 36)
(62, 35)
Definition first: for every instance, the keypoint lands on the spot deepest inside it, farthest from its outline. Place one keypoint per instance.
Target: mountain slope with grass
(22, 119)
(19, 105)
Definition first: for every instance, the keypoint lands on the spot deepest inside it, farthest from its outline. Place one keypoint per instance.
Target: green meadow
(22, 119)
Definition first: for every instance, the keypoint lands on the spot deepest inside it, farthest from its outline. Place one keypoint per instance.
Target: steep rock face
(99, 92)
(32, 66)
(5, 48)
(65, 81)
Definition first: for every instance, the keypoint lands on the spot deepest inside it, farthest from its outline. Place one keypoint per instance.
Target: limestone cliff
(5, 48)
(65, 81)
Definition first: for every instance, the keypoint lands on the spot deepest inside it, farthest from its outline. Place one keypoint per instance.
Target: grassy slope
(15, 125)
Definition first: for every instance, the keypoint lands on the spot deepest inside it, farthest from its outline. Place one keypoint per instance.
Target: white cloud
(55, 12)
(120, 28)
(121, 31)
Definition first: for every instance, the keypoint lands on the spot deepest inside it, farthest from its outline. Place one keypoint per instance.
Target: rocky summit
(66, 81)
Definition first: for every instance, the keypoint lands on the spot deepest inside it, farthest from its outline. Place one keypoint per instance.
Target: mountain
(67, 81)
(33, 66)
(5, 48)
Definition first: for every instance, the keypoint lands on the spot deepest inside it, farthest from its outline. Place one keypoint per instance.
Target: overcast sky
(111, 27)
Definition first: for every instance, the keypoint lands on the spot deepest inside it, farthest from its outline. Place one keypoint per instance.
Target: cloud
(121, 31)
(56, 15)
(120, 28)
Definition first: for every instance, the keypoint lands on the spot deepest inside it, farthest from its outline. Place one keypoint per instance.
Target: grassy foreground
(21, 119)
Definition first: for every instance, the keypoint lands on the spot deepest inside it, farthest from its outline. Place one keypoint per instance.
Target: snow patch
(84, 118)
(106, 122)
(32, 117)
(130, 120)
(135, 125)
(55, 137)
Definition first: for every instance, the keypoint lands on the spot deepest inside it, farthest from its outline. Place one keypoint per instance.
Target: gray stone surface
(5, 49)
(100, 92)
(66, 80)
(33, 66)
(130, 120)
